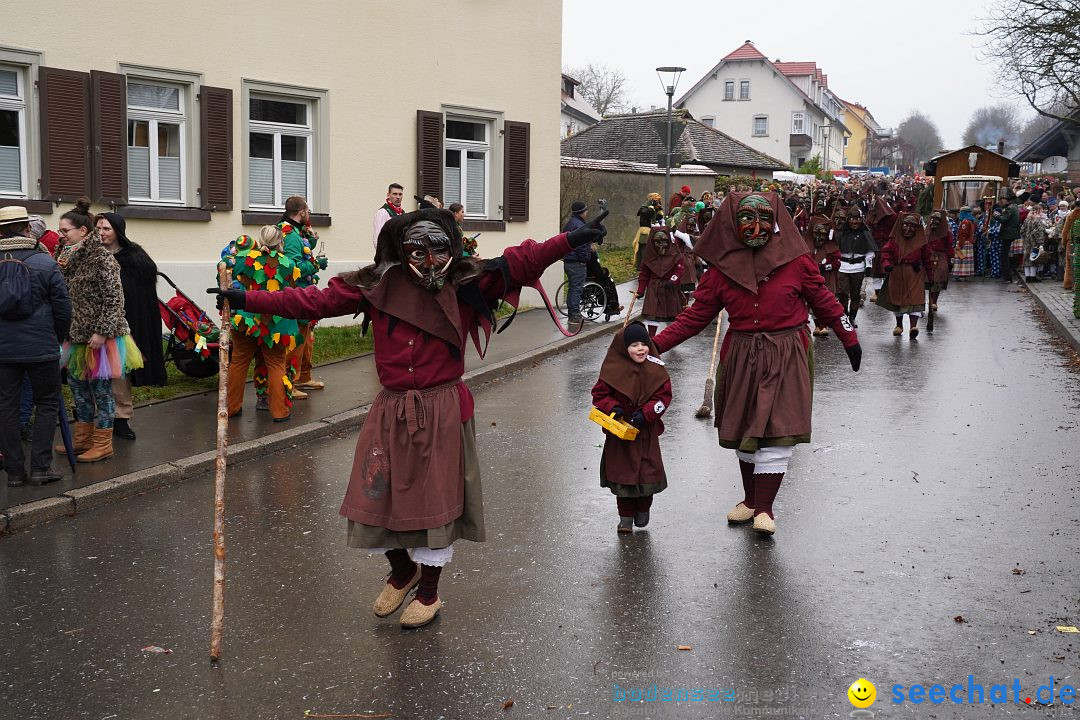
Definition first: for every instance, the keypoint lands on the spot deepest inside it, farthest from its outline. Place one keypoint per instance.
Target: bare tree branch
(1035, 45)
(602, 87)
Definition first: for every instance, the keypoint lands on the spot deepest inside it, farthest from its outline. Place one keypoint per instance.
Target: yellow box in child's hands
(618, 428)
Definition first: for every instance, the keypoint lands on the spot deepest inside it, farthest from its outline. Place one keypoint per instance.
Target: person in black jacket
(31, 346)
(574, 262)
(138, 276)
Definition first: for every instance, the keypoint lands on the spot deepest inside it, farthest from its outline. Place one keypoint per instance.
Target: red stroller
(192, 337)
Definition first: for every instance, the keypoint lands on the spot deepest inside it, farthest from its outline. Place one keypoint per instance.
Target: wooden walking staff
(630, 310)
(217, 618)
(706, 406)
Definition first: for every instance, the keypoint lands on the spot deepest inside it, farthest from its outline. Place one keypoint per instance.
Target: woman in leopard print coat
(99, 346)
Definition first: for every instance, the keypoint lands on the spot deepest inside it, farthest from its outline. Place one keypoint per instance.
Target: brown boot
(102, 446)
(80, 438)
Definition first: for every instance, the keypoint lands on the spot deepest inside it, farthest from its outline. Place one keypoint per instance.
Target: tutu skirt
(116, 358)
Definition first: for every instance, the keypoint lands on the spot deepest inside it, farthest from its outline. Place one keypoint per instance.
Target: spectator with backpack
(35, 315)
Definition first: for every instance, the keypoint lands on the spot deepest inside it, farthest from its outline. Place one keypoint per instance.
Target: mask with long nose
(428, 253)
(754, 220)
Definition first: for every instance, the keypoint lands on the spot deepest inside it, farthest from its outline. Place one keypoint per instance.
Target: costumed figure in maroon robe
(940, 240)
(687, 235)
(660, 280)
(635, 386)
(826, 253)
(760, 271)
(905, 260)
(415, 482)
(881, 219)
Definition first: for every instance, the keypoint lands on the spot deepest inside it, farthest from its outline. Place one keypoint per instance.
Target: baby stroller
(192, 338)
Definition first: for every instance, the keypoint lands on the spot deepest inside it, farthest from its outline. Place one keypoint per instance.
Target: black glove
(619, 412)
(916, 267)
(235, 297)
(854, 354)
(638, 419)
(594, 231)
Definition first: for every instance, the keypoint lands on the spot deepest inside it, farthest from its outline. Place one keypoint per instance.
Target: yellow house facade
(863, 129)
(196, 121)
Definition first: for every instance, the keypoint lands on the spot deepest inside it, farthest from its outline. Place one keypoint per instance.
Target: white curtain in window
(139, 172)
(169, 178)
(476, 190)
(9, 83)
(293, 178)
(154, 96)
(261, 181)
(10, 176)
(452, 185)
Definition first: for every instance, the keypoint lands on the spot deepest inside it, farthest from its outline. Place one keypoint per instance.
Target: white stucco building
(781, 109)
(197, 132)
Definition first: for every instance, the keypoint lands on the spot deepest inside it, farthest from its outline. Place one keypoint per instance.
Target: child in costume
(635, 386)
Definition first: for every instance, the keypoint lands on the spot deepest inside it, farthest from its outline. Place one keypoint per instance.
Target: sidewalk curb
(1065, 332)
(72, 502)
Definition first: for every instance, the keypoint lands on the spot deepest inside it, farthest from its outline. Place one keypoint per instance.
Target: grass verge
(619, 260)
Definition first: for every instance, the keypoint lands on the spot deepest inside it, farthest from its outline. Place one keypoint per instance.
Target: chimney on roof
(748, 42)
(633, 111)
(1001, 147)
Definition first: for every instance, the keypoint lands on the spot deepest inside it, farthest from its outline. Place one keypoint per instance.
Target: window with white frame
(729, 89)
(12, 132)
(280, 150)
(761, 125)
(798, 123)
(467, 168)
(708, 121)
(157, 157)
(744, 89)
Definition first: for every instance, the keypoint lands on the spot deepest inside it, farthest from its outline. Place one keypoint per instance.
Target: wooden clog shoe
(417, 614)
(740, 514)
(390, 598)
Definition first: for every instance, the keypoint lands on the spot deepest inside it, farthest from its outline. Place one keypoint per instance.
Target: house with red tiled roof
(784, 110)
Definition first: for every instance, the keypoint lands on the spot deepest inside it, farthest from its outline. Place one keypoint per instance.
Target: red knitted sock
(766, 485)
(627, 506)
(427, 592)
(747, 470)
(402, 567)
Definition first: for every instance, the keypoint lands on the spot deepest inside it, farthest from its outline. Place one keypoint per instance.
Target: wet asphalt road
(942, 482)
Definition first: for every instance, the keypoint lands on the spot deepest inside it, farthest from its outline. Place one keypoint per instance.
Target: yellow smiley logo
(862, 693)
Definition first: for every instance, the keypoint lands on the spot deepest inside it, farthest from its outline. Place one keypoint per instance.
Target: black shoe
(284, 419)
(41, 477)
(16, 480)
(576, 320)
(626, 524)
(122, 429)
(641, 519)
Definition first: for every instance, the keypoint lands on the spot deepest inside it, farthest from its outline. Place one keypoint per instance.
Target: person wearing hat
(635, 386)
(649, 214)
(49, 240)
(35, 314)
(574, 262)
(1009, 219)
(138, 277)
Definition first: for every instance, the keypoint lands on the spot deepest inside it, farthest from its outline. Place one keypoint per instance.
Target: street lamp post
(825, 137)
(669, 90)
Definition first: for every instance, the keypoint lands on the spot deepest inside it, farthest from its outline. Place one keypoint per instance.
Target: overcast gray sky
(889, 56)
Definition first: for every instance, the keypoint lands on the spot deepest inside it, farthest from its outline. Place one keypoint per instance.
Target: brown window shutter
(108, 126)
(515, 171)
(64, 97)
(216, 108)
(429, 153)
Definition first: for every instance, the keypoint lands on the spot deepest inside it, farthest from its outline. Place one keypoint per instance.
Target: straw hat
(13, 214)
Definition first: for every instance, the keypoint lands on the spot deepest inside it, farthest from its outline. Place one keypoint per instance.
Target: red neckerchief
(392, 208)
